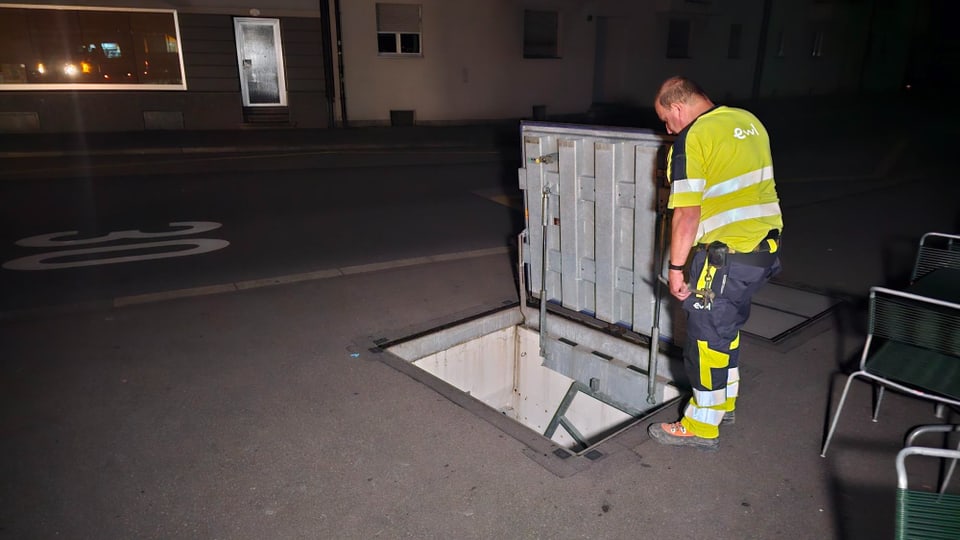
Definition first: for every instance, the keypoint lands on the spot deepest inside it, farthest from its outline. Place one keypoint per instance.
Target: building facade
(120, 65)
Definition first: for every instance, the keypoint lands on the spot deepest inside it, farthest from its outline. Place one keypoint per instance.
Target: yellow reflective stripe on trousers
(739, 182)
(709, 398)
(711, 417)
(733, 383)
(738, 214)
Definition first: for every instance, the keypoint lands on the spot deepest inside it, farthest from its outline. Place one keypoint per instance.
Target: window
(733, 47)
(678, 39)
(541, 34)
(76, 48)
(398, 29)
(816, 47)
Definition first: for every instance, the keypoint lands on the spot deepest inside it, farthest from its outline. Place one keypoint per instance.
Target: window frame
(182, 85)
(399, 35)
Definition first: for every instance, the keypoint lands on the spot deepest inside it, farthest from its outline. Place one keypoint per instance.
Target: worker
(726, 213)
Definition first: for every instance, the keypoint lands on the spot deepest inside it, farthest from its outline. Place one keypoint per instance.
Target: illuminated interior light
(85, 67)
(41, 69)
(70, 70)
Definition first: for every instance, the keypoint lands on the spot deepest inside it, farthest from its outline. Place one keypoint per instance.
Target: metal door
(260, 58)
(600, 190)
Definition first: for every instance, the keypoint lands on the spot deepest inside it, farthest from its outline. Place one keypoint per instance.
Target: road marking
(48, 261)
(57, 239)
(53, 260)
(307, 276)
(170, 295)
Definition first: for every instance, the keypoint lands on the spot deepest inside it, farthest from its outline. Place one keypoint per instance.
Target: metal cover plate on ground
(779, 311)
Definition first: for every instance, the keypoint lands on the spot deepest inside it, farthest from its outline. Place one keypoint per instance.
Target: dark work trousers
(711, 351)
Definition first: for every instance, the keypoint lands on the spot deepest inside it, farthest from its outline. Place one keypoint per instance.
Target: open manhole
(586, 387)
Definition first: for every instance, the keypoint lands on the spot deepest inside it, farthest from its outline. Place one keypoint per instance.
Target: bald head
(679, 90)
(679, 102)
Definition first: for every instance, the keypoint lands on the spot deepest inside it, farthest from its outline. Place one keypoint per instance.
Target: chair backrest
(915, 320)
(937, 250)
(923, 514)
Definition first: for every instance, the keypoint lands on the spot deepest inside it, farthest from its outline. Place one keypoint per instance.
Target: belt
(762, 247)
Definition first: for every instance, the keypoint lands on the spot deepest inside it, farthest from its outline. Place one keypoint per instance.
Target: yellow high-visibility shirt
(721, 162)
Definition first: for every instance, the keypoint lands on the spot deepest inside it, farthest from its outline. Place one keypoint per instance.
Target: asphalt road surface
(82, 229)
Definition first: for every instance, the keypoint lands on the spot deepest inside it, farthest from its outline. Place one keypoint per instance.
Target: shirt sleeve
(686, 172)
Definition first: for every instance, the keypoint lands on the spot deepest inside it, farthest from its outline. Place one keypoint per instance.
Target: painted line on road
(170, 295)
(307, 276)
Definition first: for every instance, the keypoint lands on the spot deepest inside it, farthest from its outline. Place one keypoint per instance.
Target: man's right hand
(678, 287)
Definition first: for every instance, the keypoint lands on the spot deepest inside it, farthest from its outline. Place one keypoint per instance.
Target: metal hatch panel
(601, 221)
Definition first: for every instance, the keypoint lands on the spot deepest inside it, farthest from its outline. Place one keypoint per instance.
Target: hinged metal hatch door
(602, 188)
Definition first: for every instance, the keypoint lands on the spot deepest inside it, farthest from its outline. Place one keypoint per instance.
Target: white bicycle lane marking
(90, 256)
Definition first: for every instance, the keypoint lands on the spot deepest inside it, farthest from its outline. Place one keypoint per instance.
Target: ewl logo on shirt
(741, 133)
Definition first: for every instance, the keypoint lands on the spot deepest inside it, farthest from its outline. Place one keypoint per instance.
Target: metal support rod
(545, 222)
(562, 409)
(659, 249)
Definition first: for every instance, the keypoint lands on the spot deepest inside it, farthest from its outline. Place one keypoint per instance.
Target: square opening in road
(496, 359)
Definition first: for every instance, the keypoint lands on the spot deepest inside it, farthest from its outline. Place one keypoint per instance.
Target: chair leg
(876, 406)
(946, 479)
(940, 411)
(836, 416)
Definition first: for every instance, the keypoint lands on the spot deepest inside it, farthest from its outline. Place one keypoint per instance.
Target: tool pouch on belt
(717, 253)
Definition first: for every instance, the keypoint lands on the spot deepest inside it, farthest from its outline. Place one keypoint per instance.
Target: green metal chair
(936, 428)
(936, 250)
(913, 346)
(925, 514)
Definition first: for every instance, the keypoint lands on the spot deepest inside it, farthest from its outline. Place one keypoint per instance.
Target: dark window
(733, 48)
(82, 48)
(678, 39)
(386, 43)
(541, 34)
(410, 43)
(398, 29)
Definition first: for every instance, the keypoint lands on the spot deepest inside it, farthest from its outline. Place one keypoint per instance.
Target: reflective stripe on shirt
(739, 182)
(690, 185)
(738, 214)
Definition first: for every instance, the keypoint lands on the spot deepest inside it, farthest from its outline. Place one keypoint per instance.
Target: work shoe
(729, 418)
(676, 435)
